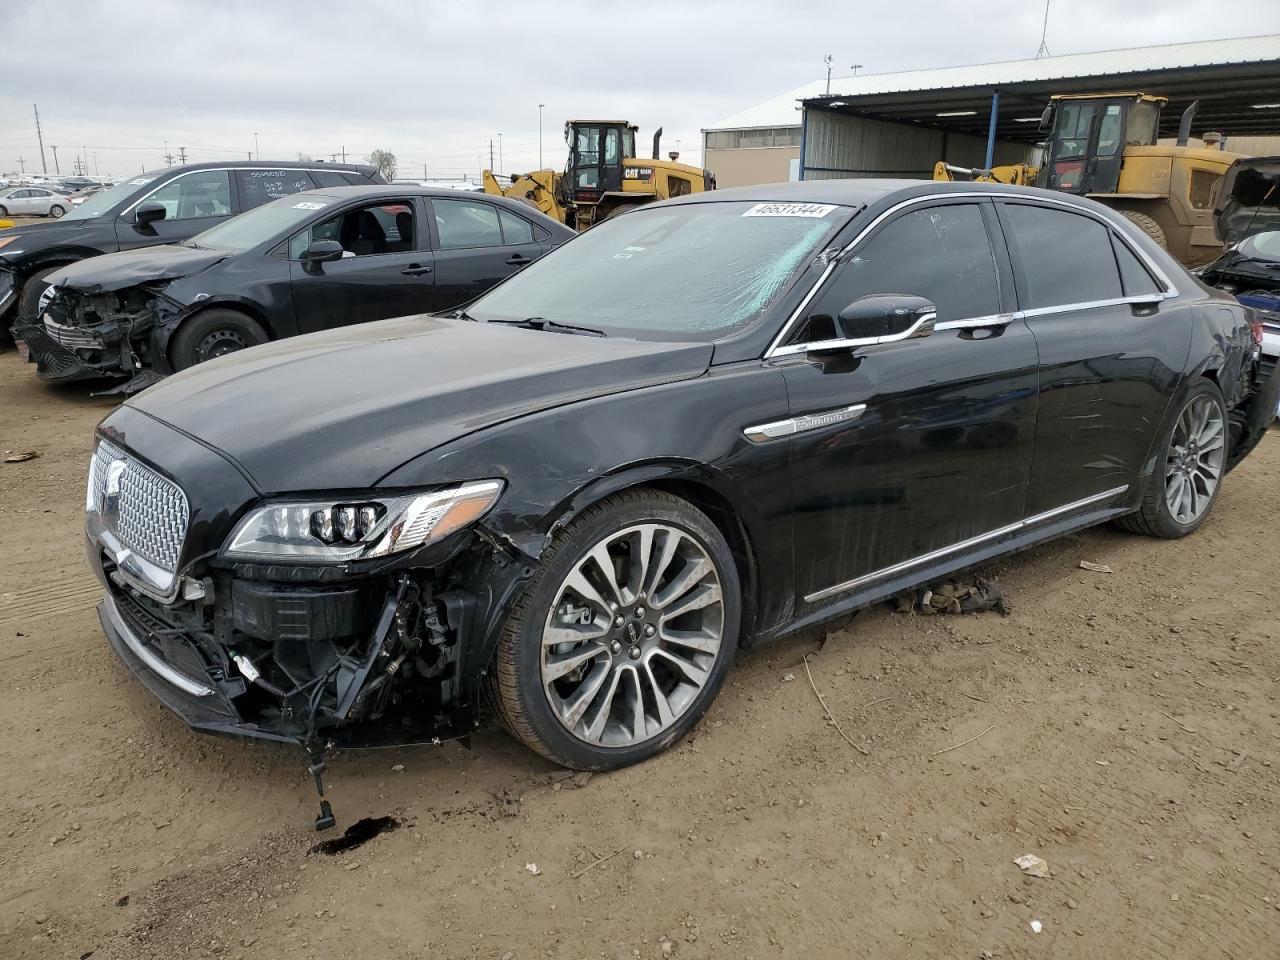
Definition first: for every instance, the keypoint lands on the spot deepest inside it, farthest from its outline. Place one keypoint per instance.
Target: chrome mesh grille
(151, 516)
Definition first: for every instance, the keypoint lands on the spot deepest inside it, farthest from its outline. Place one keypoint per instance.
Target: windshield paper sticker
(790, 210)
(309, 205)
(141, 181)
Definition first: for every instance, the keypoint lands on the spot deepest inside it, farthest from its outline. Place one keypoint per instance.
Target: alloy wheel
(1194, 465)
(633, 635)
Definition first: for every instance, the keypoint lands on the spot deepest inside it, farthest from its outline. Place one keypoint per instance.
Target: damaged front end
(347, 624)
(110, 334)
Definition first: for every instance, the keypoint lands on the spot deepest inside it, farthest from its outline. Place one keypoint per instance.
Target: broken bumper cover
(192, 695)
(56, 363)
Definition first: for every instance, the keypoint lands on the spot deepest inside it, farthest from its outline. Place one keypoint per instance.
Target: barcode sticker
(790, 210)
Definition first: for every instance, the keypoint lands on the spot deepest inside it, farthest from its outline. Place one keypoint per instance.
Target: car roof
(363, 168)
(860, 192)
(394, 191)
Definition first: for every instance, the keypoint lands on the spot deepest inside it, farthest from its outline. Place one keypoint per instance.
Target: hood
(116, 271)
(342, 408)
(1248, 199)
(43, 234)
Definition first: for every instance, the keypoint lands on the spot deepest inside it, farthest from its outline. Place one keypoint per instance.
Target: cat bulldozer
(603, 177)
(1104, 146)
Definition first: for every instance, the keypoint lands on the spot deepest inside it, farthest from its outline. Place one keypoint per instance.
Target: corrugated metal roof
(784, 110)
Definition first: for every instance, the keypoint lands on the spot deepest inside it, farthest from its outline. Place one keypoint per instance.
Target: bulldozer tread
(1147, 225)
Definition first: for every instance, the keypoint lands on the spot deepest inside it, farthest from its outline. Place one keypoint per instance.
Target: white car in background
(33, 202)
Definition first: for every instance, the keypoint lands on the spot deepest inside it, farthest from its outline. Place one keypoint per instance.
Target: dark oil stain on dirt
(358, 834)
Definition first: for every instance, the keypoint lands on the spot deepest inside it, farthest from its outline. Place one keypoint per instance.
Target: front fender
(685, 436)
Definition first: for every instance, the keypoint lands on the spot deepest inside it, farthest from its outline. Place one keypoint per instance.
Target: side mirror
(149, 212)
(322, 251)
(1046, 119)
(885, 317)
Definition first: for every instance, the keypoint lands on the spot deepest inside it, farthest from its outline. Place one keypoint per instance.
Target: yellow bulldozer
(603, 177)
(1104, 146)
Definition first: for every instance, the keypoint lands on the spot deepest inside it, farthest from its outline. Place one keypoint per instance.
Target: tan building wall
(744, 166)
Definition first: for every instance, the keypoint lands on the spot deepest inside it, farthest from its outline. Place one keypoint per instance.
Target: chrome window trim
(764, 432)
(921, 328)
(1170, 288)
(153, 662)
(938, 554)
(233, 169)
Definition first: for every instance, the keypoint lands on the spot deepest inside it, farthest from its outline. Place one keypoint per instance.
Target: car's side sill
(899, 568)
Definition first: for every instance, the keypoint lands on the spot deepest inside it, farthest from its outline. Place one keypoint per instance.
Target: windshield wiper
(542, 323)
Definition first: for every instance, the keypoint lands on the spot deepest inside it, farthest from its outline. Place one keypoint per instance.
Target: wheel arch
(165, 334)
(697, 485)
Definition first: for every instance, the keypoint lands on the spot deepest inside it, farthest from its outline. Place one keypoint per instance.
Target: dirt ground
(1127, 732)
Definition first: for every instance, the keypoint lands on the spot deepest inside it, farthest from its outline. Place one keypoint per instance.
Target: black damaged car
(164, 206)
(709, 423)
(307, 262)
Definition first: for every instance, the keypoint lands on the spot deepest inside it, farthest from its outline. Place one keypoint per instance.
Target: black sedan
(164, 206)
(307, 262)
(706, 424)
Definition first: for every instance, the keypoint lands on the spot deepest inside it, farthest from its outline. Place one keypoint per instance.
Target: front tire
(214, 333)
(624, 635)
(4, 211)
(1181, 492)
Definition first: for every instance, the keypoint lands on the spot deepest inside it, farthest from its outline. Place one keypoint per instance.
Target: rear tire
(1147, 225)
(214, 333)
(645, 650)
(57, 211)
(1180, 494)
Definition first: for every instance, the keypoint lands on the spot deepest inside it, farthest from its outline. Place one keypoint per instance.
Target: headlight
(337, 530)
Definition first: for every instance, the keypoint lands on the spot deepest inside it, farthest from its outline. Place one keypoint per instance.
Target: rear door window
(515, 229)
(941, 253)
(260, 186)
(466, 223)
(1064, 257)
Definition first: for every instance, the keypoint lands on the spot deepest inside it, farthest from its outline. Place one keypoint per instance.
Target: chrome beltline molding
(764, 432)
(906, 565)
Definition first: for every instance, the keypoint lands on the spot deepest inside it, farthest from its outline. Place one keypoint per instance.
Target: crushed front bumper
(54, 362)
(186, 689)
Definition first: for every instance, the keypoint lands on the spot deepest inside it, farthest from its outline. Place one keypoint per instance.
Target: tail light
(1255, 327)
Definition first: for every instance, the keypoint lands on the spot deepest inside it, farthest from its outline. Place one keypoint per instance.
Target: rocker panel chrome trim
(963, 545)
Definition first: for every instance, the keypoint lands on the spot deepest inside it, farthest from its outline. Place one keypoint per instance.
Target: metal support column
(991, 129)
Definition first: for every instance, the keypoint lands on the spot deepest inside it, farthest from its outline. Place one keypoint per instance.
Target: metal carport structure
(901, 124)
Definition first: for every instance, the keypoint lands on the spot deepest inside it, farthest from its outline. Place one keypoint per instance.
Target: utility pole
(182, 155)
(828, 60)
(333, 158)
(424, 171)
(96, 172)
(257, 152)
(540, 106)
(40, 138)
(491, 166)
(344, 154)
(55, 159)
(22, 165)
(500, 164)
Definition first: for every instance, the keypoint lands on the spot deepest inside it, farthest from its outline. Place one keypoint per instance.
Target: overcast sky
(434, 81)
